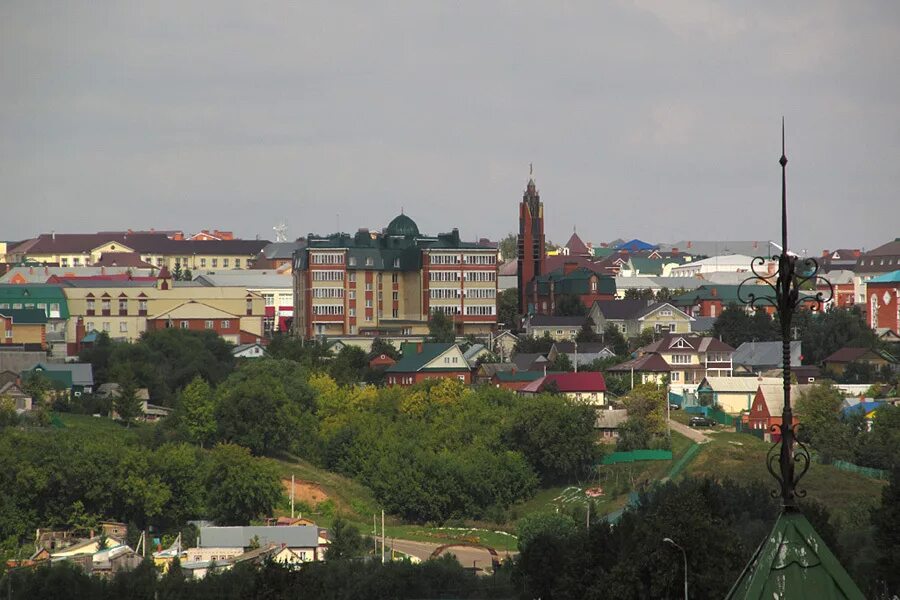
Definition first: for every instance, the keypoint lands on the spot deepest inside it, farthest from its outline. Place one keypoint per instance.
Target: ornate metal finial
(794, 284)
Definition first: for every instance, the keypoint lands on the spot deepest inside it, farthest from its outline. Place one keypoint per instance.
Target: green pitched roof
(648, 266)
(29, 296)
(576, 282)
(25, 316)
(602, 252)
(794, 563)
(413, 361)
(63, 378)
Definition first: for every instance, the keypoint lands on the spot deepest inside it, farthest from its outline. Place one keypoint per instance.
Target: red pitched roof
(576, 246)
(585, 381)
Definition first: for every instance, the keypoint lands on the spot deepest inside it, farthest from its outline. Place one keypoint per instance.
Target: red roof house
(589, 386)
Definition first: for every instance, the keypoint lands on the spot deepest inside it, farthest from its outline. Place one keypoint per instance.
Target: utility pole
(292, 496)
(375, 532)
(382, 536)
(576, 356)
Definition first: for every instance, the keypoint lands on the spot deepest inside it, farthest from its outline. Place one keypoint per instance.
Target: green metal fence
(635, 455)
(864, 471)
(719, 417)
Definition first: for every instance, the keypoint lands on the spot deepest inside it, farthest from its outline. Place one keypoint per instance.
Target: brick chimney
(714, 292)
(826, 252)
(419, 348)
(569, 266)
(674, 251)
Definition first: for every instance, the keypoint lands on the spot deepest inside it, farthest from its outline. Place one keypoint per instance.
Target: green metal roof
(604, 252)
(25, 316)
(576, 282)
(412, 361)
(64, 378)
(29, 296)
(402, 225)
(648, 266)
(793, 562)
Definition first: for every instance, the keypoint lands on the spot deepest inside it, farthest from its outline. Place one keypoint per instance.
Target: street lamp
(683, 553)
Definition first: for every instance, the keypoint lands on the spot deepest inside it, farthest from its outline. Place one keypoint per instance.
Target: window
(444, 293)
(89, 326)
(445, 259)
(681, 359)
(8, 333)
(209, 324)
(215, 263)
(368, 303)
(226, 324)
(443, 276)
(185, 324)
(237, 263)
(369, 261)
(106, 327)
(90, 306)
(352, 312)
(352, 261)
(64, 261)
(368, 287)
(123, 327)
(328, 309)
(269, 299)
(202, 263)
(352, 294)
(665, 313)
(327, 258)
(395, 313)
(481, 259)
(328, 275)
(142, 307)
(481, 276)
(396, 263)
(224, 262)
(123, 306)
(351, 277)
(676, 376)
(480, 311)
(76, 261)
(326, 293)
(481, 293)
(104, 305)
(396, 296)
(394, 278)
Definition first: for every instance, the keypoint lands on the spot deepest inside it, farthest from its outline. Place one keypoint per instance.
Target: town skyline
(641, 121)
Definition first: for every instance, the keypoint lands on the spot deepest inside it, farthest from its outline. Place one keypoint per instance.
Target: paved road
(694, 434)
(467, 556)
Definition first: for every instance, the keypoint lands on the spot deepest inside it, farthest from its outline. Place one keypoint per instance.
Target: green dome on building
(403, 226)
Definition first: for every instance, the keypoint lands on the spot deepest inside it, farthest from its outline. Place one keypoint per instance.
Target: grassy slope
(840, 491)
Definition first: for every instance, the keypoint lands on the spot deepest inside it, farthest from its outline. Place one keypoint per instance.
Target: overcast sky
(652, 119)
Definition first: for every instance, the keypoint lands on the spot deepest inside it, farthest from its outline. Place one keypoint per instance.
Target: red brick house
(766, 409)
(883, 302)
(545, 291)
(197, 316)
(423, 360)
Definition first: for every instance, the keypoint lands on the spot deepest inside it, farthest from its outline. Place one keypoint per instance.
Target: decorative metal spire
(786, 283)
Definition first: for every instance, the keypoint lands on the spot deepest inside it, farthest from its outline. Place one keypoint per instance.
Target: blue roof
(863, 407)
(892, 277)
(636, 245)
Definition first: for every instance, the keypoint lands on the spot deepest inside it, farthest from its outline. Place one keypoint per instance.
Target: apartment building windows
(396, 296)
(123, 327)
(89, 326)
(396, 263)
(76, 261)
(237, 263)
(202, 263)
(480, 311)
(370, 261)
(106, 326)
(105, 306)
(481, 293)
(326, 258)
(328, 309)
(352, 312)
(352, 294)
(681, 359)
(225, 262)
(443, 276)
(481, 259)
(326, 293)
(395, 313)
(329, 275)
(444, 293)
(249, 306)
(215, 263)
(351, 277)
(90, 306)
(368, 303)
(142, 308)
(481, 276)
(394, 278)
(352, 261)
(368, 287)
(64, 261)
(445, 259)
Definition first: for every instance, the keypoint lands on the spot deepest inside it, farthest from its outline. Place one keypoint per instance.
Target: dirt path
(466, 555)
(689, 432)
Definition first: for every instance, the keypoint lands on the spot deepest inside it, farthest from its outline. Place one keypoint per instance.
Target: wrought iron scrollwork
(800, 457)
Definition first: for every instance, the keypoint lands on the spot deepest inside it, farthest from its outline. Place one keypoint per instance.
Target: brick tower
(531, 251)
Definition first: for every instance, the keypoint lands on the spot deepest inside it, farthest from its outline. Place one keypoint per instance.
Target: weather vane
(793, 275)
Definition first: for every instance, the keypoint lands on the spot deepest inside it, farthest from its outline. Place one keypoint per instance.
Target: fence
(864, 471)
(635, 455)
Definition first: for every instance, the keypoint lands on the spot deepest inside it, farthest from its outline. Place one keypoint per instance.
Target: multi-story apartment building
(277, 292)
(154, 249)
(389, 283)
(126, 309)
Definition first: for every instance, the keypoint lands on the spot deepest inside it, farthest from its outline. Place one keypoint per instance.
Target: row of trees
(429, 453)
(75, 478)
(838, 436)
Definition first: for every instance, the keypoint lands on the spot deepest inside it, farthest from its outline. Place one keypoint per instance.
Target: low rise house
(533, 361)
(21, 401)
(504, 344)
(732, 395)
(559, 328)
(586, 386)
(631, 317)
(515, 380)
(711, 300)
(649, 368)
(609, 421)
(251, 350)
(837, 361)
(486, 371)
(883, 259)
(766, 411)
(221, 543)
(25, 328)
(424, 360)
(755, 357)
(75, 378)
(691, 358)
(584, 353)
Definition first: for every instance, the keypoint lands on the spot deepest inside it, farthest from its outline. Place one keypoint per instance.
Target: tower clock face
(886, 298)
